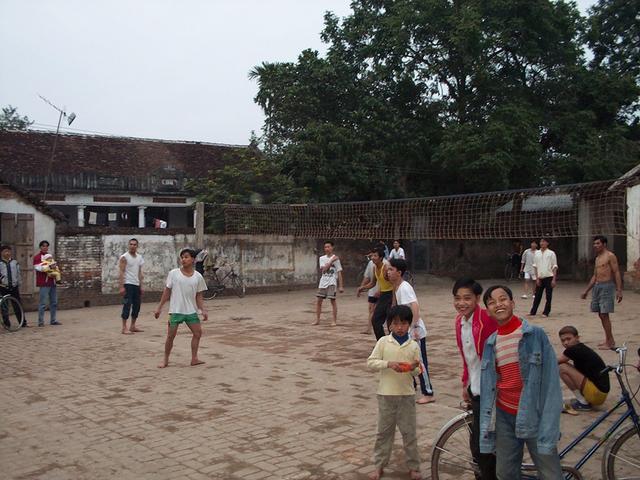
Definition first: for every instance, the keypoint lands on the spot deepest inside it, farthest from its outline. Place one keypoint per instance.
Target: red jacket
(482, 326)
(41, 278)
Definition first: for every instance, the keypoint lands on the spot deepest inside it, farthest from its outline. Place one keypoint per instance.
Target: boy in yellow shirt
(397, 358)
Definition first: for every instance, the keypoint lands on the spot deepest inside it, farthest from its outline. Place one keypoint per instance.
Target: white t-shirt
(370, 274)
(527, 260)
(330, 277)
(545, 262)
(132, 268)
(406, 295)
(183, 291)
(397, 254)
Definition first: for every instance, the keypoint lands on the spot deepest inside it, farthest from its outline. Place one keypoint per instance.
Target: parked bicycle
(11, 312)
(451, 456)
(217, 283)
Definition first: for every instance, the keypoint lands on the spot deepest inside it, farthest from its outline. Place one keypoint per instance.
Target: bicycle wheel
(237, 284)
(451, 456)
(621, 458)
(11, 313)
(213, 288)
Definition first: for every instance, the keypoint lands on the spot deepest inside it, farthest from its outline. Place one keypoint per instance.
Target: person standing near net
(404, 294)
(183, 290)
(545, 267)
(606, 283)
(527, 270)
(9, 277)
(131, 277)
(330, 280)
(372, 293)
(386, 292)
(397, 251)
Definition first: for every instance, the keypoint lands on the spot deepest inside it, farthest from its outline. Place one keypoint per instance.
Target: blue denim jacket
(541, 399)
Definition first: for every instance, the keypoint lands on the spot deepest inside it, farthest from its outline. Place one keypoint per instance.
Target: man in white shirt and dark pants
(545, 265)
(130, 280)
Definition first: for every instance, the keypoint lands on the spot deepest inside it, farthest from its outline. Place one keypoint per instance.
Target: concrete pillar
(81, 215)
(633, 226)
(141, 220)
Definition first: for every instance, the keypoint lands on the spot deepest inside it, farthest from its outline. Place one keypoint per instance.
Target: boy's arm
(122, 264)
(375, 361)
(563, 359)
(166, 294)
(340, 282)
(615, 269)
(592, 282)
(416, 362)
(141, 278)
(329, 263)
(200, 305)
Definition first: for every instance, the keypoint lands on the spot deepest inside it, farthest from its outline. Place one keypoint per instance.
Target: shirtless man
(607, 285)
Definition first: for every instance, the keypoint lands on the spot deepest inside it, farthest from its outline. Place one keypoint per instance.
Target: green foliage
(11, 120)
(424, 97)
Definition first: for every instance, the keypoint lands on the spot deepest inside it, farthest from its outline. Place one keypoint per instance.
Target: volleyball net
(560, 211)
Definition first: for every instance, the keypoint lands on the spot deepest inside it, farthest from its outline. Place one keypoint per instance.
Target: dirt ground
(277, 397)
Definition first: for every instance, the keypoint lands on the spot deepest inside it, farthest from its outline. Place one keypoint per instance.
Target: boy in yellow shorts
(584, 376)
(183, 290)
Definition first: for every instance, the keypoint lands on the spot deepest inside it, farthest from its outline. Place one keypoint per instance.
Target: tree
(11, 120)
(247, 177)
(425, 97)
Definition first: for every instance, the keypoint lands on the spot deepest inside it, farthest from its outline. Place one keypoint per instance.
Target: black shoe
(55, 323)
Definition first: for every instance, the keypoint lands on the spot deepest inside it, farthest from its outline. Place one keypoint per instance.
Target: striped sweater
(509, 384)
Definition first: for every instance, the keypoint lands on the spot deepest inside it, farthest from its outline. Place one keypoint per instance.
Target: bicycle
(216, 285)
(10, 322)
(451, 456)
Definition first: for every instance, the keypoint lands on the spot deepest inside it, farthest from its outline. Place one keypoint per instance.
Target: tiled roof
(28, 153)
(7, 191)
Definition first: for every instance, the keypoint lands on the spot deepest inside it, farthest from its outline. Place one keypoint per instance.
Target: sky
(164, 69)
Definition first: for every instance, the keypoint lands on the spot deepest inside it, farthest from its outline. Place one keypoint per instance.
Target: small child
(398, 360)
(584, 378)
(50, 267)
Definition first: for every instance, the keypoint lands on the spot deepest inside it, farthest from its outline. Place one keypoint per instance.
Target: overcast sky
(152, 68)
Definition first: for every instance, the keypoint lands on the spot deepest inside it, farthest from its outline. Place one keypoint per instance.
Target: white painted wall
(262, 260)
(633, 226)
(44, 227)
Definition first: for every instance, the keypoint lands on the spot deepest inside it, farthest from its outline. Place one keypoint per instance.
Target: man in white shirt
(545, 267)
(130, 281)
(397, 251)
(404, 294)
(184, 289)
(330, 280)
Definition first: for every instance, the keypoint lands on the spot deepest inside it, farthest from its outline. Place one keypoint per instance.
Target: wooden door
(16, 231)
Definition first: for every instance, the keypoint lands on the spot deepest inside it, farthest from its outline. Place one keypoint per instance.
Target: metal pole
(53, 152)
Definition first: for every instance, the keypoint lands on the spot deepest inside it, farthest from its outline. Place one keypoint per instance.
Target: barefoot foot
(135, 330)
(124, 332)
(425, 399)
(163, 365)
(376, 474)
(196, 362)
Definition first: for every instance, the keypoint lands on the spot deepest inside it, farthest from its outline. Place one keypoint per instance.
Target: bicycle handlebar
(622, 353)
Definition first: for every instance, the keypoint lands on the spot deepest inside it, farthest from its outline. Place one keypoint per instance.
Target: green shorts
(188, 318)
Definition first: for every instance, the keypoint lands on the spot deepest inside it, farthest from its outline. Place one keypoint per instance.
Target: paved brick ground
(276, 399)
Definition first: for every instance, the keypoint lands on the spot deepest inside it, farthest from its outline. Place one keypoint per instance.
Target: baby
(50, 267)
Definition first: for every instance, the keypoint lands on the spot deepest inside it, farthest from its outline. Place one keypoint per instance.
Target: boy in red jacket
(473, 327)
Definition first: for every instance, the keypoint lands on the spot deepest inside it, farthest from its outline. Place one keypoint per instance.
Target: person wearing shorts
(527, 270)
(183, 290)
(585, 378)
(606, 283)
(330, 281)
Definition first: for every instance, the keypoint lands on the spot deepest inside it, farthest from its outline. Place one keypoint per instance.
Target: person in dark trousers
(130, 266)
(386, 292)
(545, 266)
(473, 327)
(9, 277)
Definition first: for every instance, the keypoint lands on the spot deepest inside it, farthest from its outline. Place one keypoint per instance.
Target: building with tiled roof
(110, 181)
